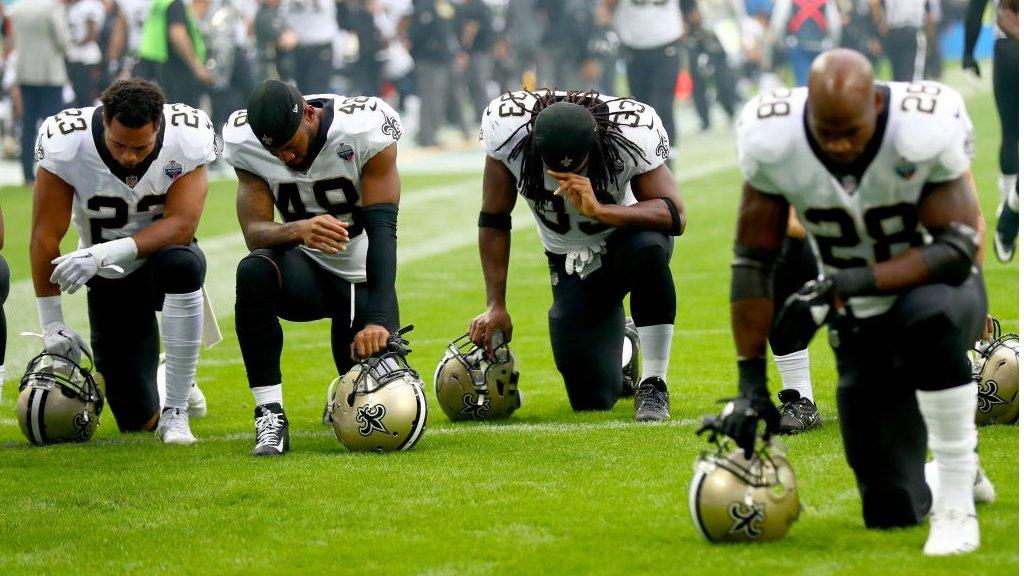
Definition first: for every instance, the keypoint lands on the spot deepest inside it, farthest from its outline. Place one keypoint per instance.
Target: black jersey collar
(326, 120)
(857, 169)
(129, 176)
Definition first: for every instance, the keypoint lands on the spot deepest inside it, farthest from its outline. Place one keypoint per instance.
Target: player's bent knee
(180, 269)
(257, 271)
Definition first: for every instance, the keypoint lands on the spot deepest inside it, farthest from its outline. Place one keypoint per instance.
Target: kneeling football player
(328, 164)
(593, 170)
(131, 175)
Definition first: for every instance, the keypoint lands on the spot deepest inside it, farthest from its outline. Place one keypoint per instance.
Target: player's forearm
(495, 246)
(42, 251)
(648, 215)
(272, 234)
(167, 231)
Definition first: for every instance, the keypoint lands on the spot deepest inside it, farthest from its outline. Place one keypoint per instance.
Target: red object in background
(684, 85)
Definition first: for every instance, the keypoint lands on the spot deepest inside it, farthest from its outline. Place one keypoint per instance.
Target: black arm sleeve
(381, 224)
(972, 25)
(950, 257)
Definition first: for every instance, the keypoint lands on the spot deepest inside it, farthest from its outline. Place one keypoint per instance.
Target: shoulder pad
(371, 122)
(642, 125)
(239, 137)
(503, 118)
(770, 125)
(928, 118)
(193, 132)
(61, 134)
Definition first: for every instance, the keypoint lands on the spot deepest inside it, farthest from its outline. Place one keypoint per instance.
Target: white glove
(585, 260)
(76, 268)
(63, 341)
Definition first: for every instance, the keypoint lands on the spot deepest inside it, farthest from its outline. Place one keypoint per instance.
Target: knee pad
(257, 272)
(180, 269)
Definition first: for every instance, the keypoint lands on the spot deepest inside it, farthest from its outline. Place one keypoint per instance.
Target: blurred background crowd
(440, 61)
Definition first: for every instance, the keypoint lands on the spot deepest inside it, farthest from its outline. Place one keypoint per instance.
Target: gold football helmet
(379, 404)
(470, 386)
(733, 499)
(996, 376)
(59, 401)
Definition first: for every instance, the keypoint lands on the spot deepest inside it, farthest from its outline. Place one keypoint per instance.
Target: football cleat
(271, 430)
(630, 359)
(59, 400)
(651, 400)
(471, 386)
(982, 490)
(799, 414)
(736, 499)
(952, 531)
(173, 427)
(379, 404)
(1005, 245)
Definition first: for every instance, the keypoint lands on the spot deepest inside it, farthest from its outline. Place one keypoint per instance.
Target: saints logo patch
(81, 426)
(391, 127)
(662, 150)
(746, 519)
(370, 418)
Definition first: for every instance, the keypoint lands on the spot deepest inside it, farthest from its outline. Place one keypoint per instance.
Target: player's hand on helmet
(63, 341)
(324, 233)
(741, 415)
(484, 329)
(971, 65)
(814, 304)
(370, 340)
(577, 189)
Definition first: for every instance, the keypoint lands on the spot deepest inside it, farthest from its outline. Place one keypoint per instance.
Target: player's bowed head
(843, 104)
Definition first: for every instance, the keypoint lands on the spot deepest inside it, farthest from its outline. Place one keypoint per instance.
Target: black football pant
(652, 75)
(905, 48)
(918, 344)
(795, 266)
(586, 319)
(5, 289)
(286, 283)
(314, 67)
(125, 336)
(1005, 80)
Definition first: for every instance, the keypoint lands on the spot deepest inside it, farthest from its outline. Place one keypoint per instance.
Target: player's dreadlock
(605, 155)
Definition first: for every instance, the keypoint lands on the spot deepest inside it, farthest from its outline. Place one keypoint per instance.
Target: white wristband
(116, 252)
(49, 310)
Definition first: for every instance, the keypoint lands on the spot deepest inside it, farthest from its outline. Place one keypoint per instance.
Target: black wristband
(753, 377)
(673, 210)
(859, 281)
(498, 221)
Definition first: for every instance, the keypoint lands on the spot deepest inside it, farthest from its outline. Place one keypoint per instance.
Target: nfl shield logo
(131, 181)
(345, 152)
(172, 170)
(906, 169)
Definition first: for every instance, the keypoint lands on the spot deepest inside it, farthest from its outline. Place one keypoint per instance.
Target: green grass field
(548, 492)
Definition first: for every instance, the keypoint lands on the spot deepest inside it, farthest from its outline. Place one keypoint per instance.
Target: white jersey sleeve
(59, 140)
(769, 127)
(942, 136)
(371, 123)
(642, 126)
(505, 117)
(238, 137)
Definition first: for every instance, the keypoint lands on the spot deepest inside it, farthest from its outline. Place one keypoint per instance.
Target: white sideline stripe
(465, 429)
(225, 250)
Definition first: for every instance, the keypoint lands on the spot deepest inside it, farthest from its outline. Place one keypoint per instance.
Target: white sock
(268, 395)
(182, 321)
(2, 383)
(795, 371)
(952, 438)
(1008, 186)
(655, 348)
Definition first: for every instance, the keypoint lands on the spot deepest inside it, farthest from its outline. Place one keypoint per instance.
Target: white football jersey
(352, 131)
(924, 135)
(562, 228)
(111, 202)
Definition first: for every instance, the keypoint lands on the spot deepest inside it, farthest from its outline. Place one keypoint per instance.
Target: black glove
(806, 310)
(971, 65)
(397, 344)
(740, 416)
